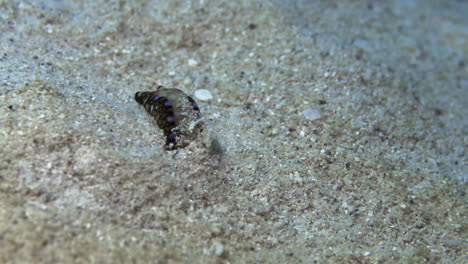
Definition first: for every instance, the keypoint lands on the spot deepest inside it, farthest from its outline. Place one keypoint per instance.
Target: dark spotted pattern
(172, 109)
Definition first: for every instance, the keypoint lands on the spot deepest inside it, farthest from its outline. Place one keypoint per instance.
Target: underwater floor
(330, 131)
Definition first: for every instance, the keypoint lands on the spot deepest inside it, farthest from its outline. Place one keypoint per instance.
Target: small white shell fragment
(311, 114)
(203, 94)
(218, 248)
(192, 62)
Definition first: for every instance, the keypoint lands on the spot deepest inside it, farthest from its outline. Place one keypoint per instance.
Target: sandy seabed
(341, 125)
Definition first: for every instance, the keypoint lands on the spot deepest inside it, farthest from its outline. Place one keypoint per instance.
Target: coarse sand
(334, 132)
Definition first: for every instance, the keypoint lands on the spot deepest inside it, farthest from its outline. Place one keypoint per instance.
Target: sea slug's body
(175, 113)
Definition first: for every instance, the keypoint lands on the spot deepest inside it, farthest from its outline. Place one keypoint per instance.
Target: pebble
(311, 114)
(203, 94)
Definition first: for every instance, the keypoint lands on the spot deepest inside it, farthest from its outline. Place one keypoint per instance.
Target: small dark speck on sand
(252, 26)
